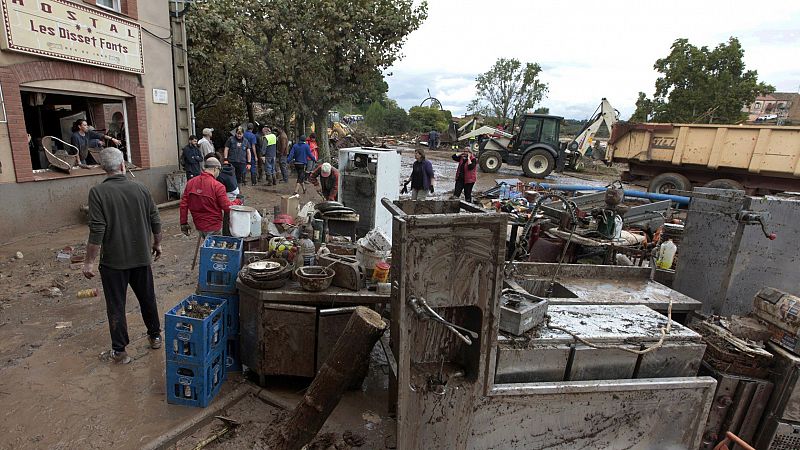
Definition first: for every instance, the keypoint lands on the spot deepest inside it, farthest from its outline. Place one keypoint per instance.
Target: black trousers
(115, 289)
(467, 188)
(301, 173)
(241, 171)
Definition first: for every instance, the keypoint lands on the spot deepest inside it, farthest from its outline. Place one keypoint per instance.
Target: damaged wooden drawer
(545, 354)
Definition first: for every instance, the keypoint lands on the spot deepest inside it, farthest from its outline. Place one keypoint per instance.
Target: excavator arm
(605, 114)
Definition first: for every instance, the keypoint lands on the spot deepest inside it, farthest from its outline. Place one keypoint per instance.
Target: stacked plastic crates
(220, 262)
(196, 350)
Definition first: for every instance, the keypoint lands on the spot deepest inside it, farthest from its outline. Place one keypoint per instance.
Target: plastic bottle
(504, 190)
(307, 251)
(319, 235)
(618, 227)
(666, 254)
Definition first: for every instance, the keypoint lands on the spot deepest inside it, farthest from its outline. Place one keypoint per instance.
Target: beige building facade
(781, 107)
(106, 61)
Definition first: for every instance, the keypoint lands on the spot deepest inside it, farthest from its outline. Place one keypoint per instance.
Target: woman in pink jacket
(466, 173)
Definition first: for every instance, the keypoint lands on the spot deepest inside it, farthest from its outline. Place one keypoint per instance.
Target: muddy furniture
(290, 331)
(446, 394)
(588, 284)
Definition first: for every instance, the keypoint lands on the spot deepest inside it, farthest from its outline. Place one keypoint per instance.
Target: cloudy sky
(587, 49)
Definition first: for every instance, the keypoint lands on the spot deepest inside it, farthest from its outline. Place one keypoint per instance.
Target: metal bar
(470, 207)
(577, 387)
(394, 209)
(335, 311)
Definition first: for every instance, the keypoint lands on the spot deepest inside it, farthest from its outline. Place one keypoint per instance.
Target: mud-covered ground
(54, 391)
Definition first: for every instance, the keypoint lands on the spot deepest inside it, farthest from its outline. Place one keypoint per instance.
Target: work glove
(185, 229)
(405, 187)
(431, 189)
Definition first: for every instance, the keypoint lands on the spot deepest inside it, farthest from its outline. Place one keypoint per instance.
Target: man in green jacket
(122, 217)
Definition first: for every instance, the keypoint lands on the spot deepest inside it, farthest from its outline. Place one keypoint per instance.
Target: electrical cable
(167, 39)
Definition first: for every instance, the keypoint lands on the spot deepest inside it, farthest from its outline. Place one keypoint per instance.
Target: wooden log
(352, 350)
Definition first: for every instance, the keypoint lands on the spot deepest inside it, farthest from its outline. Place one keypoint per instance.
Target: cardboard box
(290, 204)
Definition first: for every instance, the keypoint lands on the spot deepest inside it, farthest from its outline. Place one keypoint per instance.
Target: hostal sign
(65, 30)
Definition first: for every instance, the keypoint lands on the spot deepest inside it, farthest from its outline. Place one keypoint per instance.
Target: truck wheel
(538, 163)
(724, 183)
(490, 161)
(664, 182)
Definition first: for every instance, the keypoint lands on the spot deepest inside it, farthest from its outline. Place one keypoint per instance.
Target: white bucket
(368, 258)
(241, 218)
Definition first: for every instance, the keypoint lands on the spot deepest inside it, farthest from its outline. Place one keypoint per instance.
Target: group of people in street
(266, 156)
(304, 156)
(260, 155)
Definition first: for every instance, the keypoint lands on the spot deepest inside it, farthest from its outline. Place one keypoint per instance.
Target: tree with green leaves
(644, 109)
(374, 117)
(396, 120)
(508, 89)
(424, 118)
(332, 56)
(299, 58)
(701, 85)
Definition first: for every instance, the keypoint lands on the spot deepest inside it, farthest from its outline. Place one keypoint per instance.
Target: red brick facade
(12, 76)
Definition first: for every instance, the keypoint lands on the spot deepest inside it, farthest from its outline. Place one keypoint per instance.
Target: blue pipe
(681, 200)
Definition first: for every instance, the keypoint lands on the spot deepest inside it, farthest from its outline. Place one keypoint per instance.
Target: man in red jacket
(206, 199)
(326, 179)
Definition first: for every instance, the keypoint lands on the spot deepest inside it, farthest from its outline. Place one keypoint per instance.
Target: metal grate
(787, 437)
(785, 442)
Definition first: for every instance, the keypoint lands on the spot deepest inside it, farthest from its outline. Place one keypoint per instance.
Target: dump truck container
(757, 159)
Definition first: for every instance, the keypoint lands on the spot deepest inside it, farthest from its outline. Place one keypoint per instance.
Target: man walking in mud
(122, 216)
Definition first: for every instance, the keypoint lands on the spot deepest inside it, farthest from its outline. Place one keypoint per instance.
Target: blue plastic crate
(192, 341)
(196, 384)
(231, 311)
(219, 266)
(233, 361)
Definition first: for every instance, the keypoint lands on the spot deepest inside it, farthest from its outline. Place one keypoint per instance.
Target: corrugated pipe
(681, 200)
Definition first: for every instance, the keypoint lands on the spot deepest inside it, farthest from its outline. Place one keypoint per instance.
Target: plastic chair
(732, 438)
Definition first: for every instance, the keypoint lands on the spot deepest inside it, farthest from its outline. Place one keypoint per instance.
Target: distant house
(778, 107)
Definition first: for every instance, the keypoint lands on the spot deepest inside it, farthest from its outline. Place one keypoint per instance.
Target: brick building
(104, 61)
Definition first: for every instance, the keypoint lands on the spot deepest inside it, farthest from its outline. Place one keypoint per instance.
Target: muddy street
(58, 394)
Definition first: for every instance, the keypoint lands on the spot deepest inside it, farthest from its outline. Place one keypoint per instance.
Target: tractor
(536, 147)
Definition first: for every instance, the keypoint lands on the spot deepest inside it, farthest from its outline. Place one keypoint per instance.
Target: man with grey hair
(206, 144)
(122, 217)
